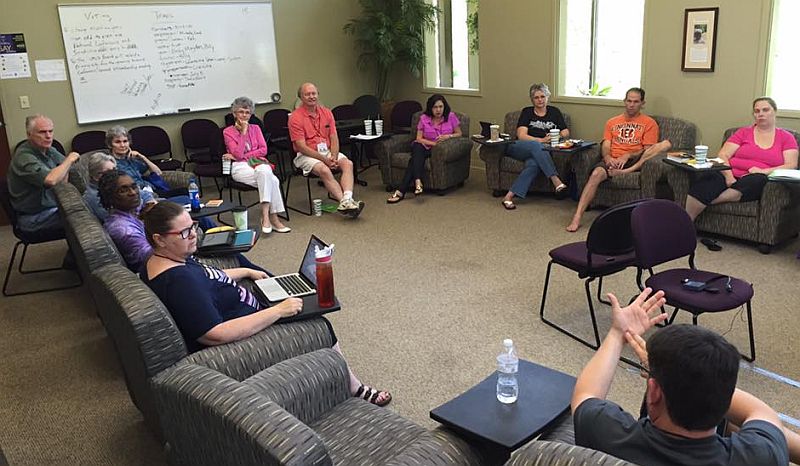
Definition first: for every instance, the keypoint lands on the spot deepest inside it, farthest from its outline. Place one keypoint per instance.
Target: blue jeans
(535, 159)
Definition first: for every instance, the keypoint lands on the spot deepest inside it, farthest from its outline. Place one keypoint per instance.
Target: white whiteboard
(130, 61)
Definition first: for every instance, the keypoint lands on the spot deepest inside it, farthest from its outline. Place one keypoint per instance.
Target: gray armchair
(148, 341)
(644, 183)
(544, 453)
(296, 412)
(447, 167)
(769, 221)
(501, 171)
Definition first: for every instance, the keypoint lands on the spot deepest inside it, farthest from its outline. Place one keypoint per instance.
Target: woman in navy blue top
(208, 306)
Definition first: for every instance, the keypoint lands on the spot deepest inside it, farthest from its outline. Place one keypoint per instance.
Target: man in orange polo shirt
(629, 140)
(313, 133)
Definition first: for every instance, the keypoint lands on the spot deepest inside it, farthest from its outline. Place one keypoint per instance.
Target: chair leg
(750, 333)
(587, 286)
(563, 330)
(309, 212)
(10, 269)
(600, 292)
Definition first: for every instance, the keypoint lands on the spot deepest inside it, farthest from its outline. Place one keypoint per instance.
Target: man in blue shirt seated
(691, 388)
(34, 170)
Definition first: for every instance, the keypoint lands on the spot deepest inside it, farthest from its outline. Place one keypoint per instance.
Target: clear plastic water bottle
(507, 366)
(194, 195)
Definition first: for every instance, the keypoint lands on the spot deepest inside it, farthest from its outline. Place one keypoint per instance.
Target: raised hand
(635, 318)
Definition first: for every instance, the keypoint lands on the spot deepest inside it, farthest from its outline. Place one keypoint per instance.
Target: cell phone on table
(693, 285)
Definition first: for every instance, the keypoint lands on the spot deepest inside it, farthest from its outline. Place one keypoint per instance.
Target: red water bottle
(325, 293)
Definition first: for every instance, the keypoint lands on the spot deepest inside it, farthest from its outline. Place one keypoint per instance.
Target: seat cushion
(740, 209)
(626, 181)
(573, 256)
(359, 433)
(208, 169)
(697, 302)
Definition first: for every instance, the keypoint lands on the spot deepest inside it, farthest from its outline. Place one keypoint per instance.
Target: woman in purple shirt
(753, 152)
(436, 124)
(247, 149)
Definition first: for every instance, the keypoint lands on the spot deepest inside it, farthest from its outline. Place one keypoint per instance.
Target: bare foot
(574, 225)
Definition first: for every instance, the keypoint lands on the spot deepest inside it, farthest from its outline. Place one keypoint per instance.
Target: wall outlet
(24, 102)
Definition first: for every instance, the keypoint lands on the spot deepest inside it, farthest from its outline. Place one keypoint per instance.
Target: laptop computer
(301, 283)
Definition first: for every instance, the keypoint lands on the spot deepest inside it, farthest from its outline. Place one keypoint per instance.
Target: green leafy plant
(391, 33)
(472, 26)
(596, 91)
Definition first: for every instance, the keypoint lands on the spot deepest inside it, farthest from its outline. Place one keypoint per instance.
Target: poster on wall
(14, 62)
(699, 39)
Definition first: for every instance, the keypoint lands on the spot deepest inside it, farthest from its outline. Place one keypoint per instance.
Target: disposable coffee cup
(368, 127)
(226, 166)
(240, 217)
(700, 154)
(555, 136)
(378, 127)
(494, 132)
(317, 203)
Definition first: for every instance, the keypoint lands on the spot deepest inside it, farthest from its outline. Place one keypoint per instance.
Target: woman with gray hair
(98, 163)
(247, 149)
(533, 126)
(133, 163)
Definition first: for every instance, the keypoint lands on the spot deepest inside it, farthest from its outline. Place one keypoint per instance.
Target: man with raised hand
(629, 140)
(313, 133)
(691, 388)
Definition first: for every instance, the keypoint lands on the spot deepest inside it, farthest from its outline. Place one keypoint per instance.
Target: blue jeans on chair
(535, 159)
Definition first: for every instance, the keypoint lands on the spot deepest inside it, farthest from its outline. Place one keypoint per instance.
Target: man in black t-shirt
(691, 388)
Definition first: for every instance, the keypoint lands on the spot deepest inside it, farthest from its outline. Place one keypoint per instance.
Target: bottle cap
(323, 254)
(508, 342)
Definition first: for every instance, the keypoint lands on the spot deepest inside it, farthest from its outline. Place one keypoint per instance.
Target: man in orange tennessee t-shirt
(629, 140)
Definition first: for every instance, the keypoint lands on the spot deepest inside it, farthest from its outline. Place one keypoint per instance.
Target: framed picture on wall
(699, 38)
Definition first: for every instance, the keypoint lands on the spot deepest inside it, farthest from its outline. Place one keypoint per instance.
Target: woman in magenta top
(247, 149)
(752, 153)
(436, 124)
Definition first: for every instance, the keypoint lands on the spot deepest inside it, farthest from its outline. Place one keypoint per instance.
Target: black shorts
(707, 186)
(602, 164)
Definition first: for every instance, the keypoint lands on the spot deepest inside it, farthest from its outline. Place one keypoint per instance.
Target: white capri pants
(261, 177)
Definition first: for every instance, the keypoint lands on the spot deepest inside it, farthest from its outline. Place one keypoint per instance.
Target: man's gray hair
(539, 87)
(243, 102)
(117, 131)
(95, 161)
(30, 121)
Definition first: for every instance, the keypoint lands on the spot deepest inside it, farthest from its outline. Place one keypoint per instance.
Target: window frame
(559, 59)
(430, 54)
(765, 60)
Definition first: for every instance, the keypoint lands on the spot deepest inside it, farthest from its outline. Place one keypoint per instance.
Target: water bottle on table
(194, 195)
(507, 366)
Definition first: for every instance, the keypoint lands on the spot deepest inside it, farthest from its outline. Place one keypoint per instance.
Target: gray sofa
(296, 412)
(501, 171)
(447, 167)
(645, 183)
(767, 222)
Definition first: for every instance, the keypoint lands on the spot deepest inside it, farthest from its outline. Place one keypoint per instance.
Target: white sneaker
(346, 205)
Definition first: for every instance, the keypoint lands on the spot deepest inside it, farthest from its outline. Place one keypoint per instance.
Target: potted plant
(391, 33)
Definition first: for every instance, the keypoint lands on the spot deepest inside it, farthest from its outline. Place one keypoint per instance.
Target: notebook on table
(299, 284)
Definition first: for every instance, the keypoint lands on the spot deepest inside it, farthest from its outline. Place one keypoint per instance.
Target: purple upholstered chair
(608, 249)
(662, 232)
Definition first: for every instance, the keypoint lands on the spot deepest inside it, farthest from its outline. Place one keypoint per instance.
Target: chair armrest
(451, 150)
(653, 170)
(555, 453)
(582, 163)
(439, 447)
(278, 342)
(776, 199)
(306, 386)
(397, 143)
(177, 179)
(678, 180)
(236, 424)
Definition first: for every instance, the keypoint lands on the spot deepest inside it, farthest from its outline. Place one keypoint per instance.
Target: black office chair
(25, 239)
(89, 141)
(154, 143)
(368, 106)
(608, 249)
(401, 116)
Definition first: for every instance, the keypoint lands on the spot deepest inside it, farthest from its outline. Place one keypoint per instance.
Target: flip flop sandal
(418, 190)
(509, 205)
(371, 395)
(396, 197)
(561, 191)
(711, 244)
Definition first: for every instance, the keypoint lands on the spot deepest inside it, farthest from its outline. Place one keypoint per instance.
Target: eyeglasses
(242, 111)
(185, 232)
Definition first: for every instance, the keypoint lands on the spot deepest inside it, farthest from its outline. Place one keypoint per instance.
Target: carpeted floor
(429, 288)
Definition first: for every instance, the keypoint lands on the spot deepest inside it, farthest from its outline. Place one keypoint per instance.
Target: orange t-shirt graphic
(630, 134)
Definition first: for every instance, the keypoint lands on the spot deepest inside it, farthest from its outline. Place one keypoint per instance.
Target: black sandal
(371, 395)
(711, 244)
